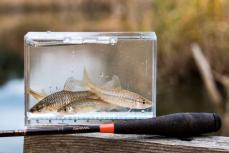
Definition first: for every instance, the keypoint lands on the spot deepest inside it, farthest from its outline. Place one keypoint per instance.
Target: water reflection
(182, 98)
(12, 114)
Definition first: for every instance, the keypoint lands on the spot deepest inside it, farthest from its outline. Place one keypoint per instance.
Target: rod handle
(175, 125)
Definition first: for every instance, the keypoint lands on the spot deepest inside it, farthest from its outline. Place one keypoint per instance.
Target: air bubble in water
(113, 41)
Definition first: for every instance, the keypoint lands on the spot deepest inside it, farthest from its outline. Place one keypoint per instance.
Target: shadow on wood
(104, 143)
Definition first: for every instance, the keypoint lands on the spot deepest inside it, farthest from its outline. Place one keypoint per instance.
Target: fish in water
(57, 100)
(112, 93)
(87, 105)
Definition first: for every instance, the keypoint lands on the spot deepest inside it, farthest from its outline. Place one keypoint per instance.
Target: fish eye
(143, 101)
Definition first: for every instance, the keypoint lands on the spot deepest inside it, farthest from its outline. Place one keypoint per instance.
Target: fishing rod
(172, 125)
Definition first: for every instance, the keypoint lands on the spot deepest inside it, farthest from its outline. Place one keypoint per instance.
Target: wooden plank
(104, 143)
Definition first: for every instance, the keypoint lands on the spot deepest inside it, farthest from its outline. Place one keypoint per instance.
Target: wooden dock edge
(114, 143)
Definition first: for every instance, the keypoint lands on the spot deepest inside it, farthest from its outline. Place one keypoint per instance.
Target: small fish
(86, 105)
(59, 99)
(112, 93)
(56, 100)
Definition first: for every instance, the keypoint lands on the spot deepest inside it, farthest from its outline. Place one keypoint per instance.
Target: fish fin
(108, 85)
(86, 80)
(114, 83)
(117, 83)
(109, 107)
(69, 84)
(112, 107)
(37, 95)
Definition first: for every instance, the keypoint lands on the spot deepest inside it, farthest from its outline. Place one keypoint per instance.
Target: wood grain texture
(103, 143)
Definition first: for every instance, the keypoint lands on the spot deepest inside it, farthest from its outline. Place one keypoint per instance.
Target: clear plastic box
(86, 76)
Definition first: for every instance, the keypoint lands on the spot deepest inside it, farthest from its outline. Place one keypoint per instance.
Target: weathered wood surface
(104, 143)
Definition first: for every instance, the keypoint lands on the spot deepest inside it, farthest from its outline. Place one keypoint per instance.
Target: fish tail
(86, 78)
(36, 95)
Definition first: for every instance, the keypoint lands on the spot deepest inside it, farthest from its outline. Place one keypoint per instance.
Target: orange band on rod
(107, 128)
